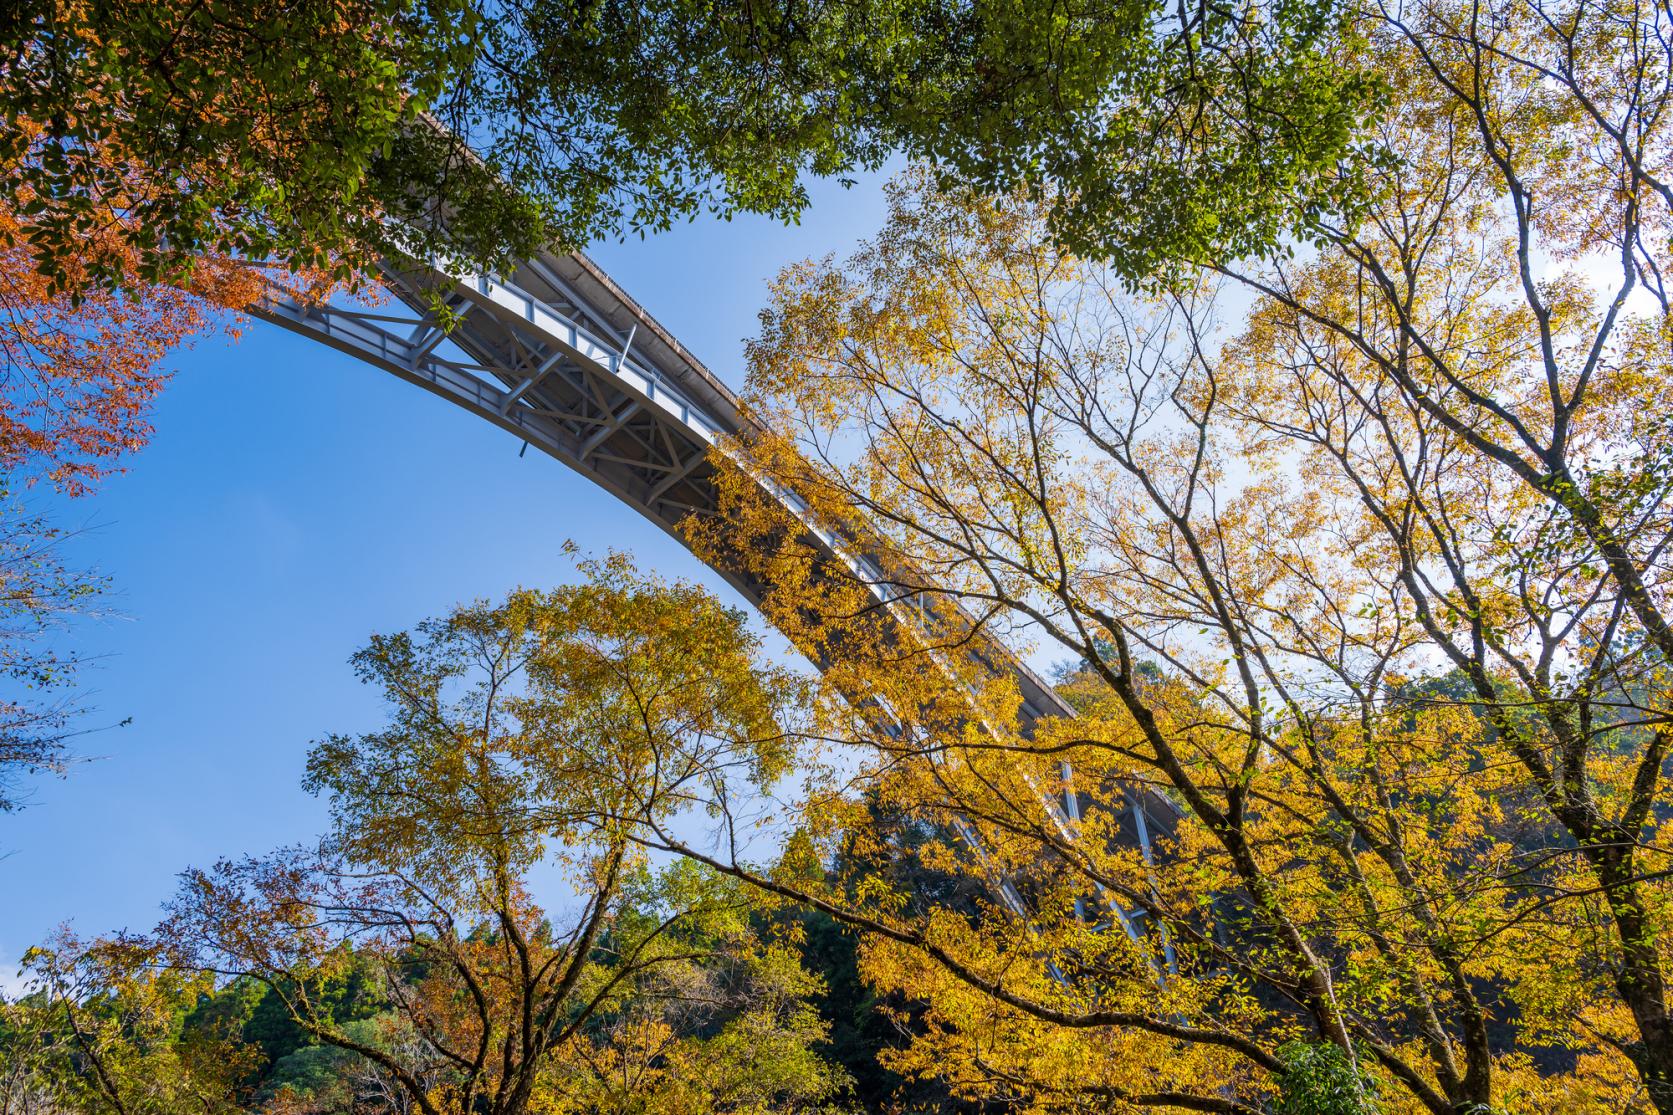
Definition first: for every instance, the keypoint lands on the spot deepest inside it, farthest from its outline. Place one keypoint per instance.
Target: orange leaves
(83, 349)
(150, 150)
(80, 369)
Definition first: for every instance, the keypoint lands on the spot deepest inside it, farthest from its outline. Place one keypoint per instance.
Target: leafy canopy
(329, 133)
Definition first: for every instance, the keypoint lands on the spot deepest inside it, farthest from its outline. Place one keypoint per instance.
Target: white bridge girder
(563, 358)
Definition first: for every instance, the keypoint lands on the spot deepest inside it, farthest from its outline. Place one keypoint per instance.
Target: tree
(1259, 543)
(552, 728)
(99, 1029)
(1499, 329)
(80, 367)
(39, 594)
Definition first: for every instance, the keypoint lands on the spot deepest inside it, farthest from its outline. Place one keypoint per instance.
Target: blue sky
(291, 503)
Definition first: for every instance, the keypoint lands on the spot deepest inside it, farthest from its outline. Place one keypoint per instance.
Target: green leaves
(308, 132)
(1319, 1079)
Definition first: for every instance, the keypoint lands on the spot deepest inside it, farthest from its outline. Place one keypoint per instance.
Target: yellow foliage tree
(552, 730)
(1362, 589)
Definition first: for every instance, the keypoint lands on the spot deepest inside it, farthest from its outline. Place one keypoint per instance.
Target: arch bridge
(563, 358)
